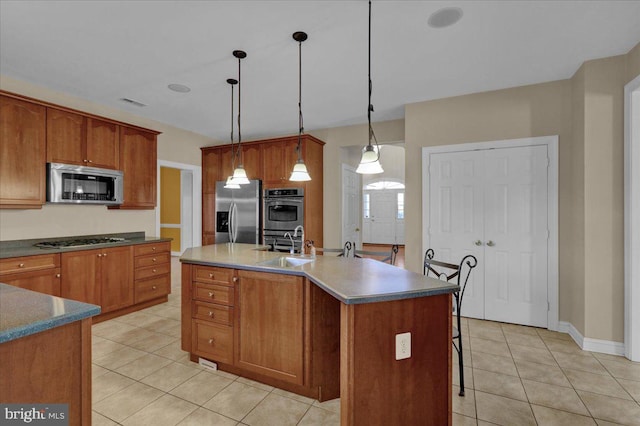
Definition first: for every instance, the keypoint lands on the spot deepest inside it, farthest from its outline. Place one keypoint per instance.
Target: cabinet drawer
(213, 312)
(152, 271)
(152, 288)
(144, 249)
(44, 281)
(152, 259)
(29, 263)
(211, 274)
(212, 340)
(214, 293)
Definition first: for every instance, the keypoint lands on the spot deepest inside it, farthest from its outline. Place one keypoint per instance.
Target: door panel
(516, 226)
(457, 218)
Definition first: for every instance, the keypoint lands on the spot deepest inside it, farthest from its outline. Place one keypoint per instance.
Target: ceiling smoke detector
(180, 88)
(445, 17)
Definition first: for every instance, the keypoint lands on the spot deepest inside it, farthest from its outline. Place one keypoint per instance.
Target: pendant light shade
(300, 173)
(370, 161)
(239, 174)
(230, 184)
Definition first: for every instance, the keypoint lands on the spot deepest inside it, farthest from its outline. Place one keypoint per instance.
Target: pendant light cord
(233, 156)
(239, 152)
(370, 106)
(300, 118)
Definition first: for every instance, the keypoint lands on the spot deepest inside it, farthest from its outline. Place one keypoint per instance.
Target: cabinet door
(66, 133)
(45, 281)
(22, 153)
(278, 159)
(252, 160)
(226, 168)
(116, 278)
(80, 272)
(269, 325)
(138, 157)
(103, 139)
(210, 170)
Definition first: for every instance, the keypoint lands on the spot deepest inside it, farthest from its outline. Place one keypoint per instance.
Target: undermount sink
(286, 262)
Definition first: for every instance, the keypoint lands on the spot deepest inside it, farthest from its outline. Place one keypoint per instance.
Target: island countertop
(24, 312)
(350, 280)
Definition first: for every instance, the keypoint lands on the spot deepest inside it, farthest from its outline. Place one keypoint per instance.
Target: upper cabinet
(22, 153)
(75, 139)
(278, 159)
(138, 157)
(33, 133)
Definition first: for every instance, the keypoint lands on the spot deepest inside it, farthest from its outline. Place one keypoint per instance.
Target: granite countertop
(25, 312)
(17, 248)
(349, 280)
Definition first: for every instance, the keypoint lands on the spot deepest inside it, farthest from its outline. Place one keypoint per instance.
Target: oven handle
(283, 200)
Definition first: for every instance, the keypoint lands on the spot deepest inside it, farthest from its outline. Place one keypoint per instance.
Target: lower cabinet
(37, 273)
(152, 276)
(269, 327)
(102, 277)
(278, 329)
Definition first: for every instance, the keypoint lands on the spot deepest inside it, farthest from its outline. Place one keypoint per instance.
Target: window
(384, 184)
(366, 206)
(400, 205)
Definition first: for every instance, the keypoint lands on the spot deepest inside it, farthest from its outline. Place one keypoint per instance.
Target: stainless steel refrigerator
(239, 213)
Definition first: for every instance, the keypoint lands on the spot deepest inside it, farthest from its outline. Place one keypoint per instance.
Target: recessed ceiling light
(445, 17)
(180, 88)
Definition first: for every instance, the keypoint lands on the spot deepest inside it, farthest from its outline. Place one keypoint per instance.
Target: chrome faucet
(293, 247)
(295, 234)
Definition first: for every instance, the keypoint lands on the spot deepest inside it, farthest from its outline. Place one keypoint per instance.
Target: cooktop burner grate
(79, 242)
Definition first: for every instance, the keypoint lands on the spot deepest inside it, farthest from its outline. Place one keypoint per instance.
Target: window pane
(365, 206)
(400, 205)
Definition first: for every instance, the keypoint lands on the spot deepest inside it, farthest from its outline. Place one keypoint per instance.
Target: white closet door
(457, 218)
(515, 251)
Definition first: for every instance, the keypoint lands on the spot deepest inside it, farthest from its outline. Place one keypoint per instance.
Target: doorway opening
(179, 211)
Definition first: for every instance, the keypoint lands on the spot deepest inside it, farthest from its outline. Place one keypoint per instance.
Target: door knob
(478, 243)
(357, 229)
(491, 243)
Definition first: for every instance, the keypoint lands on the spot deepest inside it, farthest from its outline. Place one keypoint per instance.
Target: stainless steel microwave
(67, 183)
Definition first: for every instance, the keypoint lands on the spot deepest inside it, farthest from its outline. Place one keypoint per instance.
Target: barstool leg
(461, 366)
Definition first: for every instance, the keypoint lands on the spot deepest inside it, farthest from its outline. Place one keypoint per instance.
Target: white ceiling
(103, 51)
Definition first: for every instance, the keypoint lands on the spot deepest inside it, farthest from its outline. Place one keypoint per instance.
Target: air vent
(132, 102)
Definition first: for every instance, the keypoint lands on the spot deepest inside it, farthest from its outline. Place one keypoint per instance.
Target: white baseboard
(592, 345)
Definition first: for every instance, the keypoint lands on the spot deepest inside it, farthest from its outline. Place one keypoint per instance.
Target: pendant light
(230, 184)
(239, 174)
(370, 161)
(300, 173)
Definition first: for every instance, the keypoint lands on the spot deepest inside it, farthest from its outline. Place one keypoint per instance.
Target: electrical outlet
(403, 346)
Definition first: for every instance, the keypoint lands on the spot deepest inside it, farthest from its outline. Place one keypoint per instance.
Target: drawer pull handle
(153, 287)
(57, 275)
(99, 255)
(211, 341)
(153, 260)
(153, 248)
(21, 265)
(211, 314)
(154, 271)
(211, 294)
(235, 279)
(210, 275)
(104, 254)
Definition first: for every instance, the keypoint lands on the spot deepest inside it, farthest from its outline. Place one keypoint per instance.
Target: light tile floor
(514, 376)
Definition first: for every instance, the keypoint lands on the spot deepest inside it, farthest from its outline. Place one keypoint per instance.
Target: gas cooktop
(79, 242)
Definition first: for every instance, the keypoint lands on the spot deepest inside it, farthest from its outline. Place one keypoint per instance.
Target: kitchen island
(377, 336)
(45, 351)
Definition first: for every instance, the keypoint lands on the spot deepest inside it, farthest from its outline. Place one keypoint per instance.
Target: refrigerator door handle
(231, 237)
(235, 222)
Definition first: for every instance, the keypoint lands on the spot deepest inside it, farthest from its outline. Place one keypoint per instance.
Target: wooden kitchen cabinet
(37, 273)
(269, 326)
(152, 273)
(271, 161)
(22, 153)
(73, 138)
(138, 159)
(102, 277)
